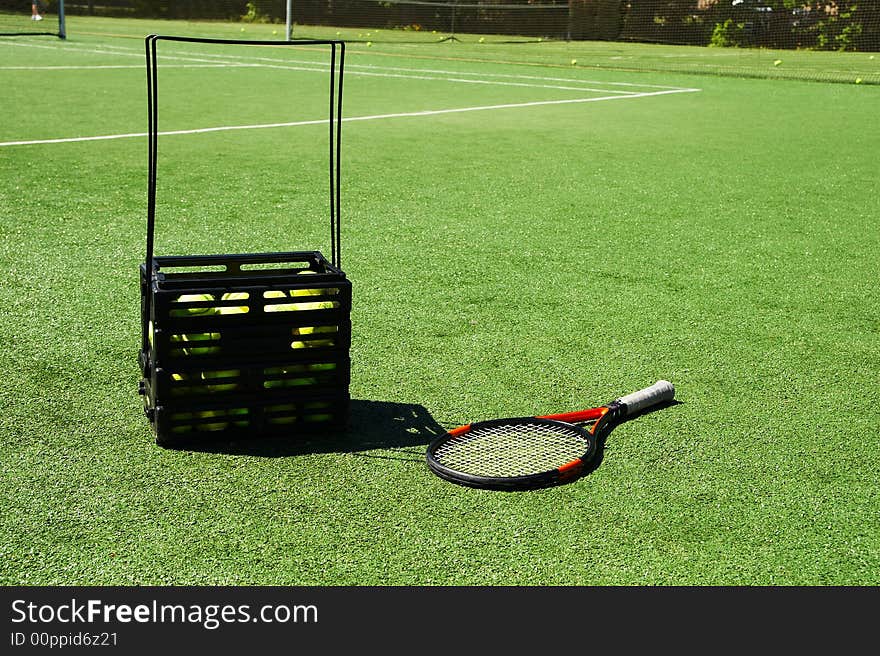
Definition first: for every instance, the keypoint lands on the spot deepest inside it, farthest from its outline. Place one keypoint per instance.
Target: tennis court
(527, 230)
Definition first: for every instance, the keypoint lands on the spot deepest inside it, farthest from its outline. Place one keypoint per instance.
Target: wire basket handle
(337, 62)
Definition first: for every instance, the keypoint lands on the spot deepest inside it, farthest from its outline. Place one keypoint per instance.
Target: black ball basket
(245, 345)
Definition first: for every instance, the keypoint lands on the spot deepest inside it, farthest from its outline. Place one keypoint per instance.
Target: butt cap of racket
(660, 392)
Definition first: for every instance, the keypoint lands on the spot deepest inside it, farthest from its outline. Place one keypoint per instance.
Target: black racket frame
(537, 480)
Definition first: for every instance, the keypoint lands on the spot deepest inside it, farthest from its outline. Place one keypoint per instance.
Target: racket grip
(659, 392)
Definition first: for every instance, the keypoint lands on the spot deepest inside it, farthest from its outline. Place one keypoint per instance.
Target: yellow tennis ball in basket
(198, 337)
(290, 382)
(235, 309)
(197, 311)
(315, 343)
(276, 307)
(317, 305)
(292, 307)
(221, 381)
(213, 426)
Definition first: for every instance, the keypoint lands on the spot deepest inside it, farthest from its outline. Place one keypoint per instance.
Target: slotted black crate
(242, 345)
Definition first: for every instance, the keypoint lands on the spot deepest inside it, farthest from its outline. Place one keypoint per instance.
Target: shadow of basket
(372, 425)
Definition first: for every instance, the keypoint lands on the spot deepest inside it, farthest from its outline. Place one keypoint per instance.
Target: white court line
(372, 70)
(349, 65)
(322, 68)
(375, 117)
(483, 74)
(556, 87)
(85, 67)
(458, 80)
(96, 51)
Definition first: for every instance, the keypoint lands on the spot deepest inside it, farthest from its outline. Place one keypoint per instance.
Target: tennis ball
(235, 296)
(574, 62)
(777, 62)
(277, 293)
(871, 57)
(227, 373)
(197, 337)
(211, 414)
(290, 307)
(274, 31)
(482, 39)
(288, 370)
(224, 384)
(310, 330)
(282, 420)
(318, 305)
(858, 80)
(239, 412)
(196, 311)
(315, 343)
(290, 382)
(369, 44)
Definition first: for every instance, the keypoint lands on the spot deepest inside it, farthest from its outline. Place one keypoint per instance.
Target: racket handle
(659, 392)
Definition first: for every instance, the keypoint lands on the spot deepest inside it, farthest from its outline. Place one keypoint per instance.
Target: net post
(62, 26)
(289, 21)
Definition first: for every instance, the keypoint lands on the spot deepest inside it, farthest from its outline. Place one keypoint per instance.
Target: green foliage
(855, 26)
(820, 24)
(724, 34)
(254, 15)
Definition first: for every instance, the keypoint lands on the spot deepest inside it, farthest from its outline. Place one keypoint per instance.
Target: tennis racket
(532, 452)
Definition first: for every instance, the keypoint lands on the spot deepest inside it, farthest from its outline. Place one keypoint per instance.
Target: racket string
(513, 449)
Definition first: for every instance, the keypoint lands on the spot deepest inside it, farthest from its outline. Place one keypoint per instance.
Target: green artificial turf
(505, 262)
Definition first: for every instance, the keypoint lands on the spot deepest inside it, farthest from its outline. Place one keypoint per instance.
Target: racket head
(512, 454)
